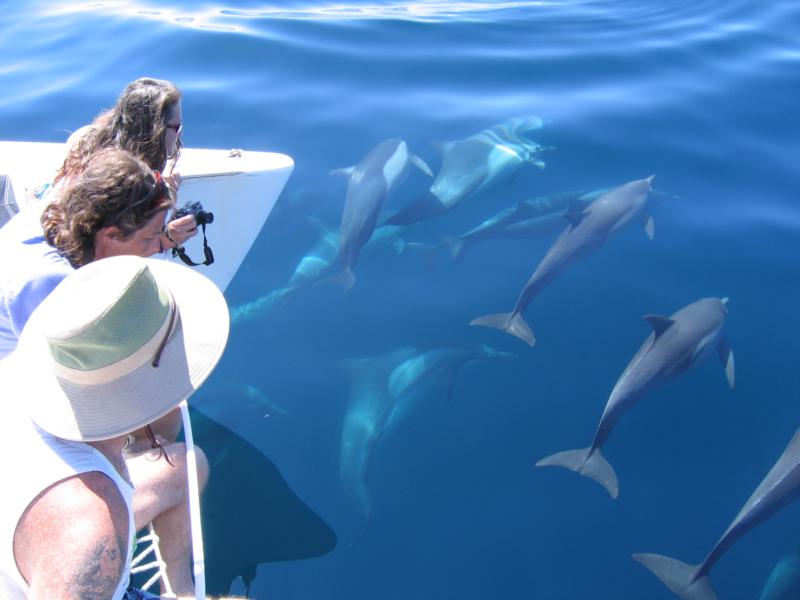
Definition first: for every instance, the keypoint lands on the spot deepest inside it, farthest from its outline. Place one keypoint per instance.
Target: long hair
(136, 123)
(115, 189)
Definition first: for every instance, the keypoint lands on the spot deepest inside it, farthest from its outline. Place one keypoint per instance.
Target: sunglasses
(177, 128)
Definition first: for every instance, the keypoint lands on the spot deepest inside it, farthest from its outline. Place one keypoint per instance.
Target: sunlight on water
(205, 17)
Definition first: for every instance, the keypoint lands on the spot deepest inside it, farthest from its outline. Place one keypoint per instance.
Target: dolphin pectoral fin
(650, 227)
(511, 323)
(399, 246)
(726, 356)
(421, 165)
(536, 162)
(346, 171)
(679, 577)
(589, 464)
(659, 323)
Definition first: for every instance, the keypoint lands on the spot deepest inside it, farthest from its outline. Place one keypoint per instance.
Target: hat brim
(140, 397)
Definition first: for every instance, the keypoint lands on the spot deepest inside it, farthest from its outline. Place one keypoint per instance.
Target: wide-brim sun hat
(118, 344)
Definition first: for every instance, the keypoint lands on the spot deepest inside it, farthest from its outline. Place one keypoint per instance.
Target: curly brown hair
(136, 123)
(115, 189)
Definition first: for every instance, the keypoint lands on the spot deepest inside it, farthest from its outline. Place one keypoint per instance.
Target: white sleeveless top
(32, 461)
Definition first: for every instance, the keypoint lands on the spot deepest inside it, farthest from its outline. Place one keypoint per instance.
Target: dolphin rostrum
(471, 164)
(588, 229)
(384, 392)
(370, 183)
(678, 342)
(780, 487)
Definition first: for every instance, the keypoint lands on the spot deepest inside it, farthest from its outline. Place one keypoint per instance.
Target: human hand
(179, 230)
(174, 180)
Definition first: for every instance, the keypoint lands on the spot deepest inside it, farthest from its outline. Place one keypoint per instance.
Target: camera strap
(180, 252)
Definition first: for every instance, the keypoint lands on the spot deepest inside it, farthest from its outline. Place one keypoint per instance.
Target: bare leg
(161, 497)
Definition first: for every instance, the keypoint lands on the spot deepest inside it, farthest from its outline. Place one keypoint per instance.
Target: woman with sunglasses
(146, 121)
(116, 206)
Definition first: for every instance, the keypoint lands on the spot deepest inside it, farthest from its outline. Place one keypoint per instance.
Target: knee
(177, 455)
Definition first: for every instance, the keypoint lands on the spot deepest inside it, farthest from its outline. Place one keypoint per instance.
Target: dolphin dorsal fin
(659, 323)
(346, 171)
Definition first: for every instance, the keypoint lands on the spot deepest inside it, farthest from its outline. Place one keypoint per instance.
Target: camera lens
(203, 217)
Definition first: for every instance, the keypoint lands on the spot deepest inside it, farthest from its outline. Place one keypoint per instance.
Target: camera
(201, 216)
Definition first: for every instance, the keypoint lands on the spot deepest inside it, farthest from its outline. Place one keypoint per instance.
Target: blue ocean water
(704, 95)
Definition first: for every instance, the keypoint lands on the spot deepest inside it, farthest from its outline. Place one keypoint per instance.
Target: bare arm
(72, 541)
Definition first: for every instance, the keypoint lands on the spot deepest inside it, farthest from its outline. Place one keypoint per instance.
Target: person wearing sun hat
(118, 343)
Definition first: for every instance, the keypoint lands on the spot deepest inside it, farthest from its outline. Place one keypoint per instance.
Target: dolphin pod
(384, 391)
(677, 343)
(588, 229)
(780, 487)
(369, 184)
(471, 164)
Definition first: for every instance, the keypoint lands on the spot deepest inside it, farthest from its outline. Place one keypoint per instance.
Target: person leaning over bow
(115, 207)
(117, 344)
(147, 121)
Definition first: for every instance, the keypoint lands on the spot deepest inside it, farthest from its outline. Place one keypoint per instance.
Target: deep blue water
(705, 95)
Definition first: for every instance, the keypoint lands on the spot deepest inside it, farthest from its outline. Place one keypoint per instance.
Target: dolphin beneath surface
(784, 581)
(678, 342)
(471, 164)
(384, 391)
(370, 183)
(586, 232)
(780, 487)
(534, 216)
(313, 267)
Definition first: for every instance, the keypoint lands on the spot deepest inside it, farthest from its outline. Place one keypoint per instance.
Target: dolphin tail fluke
(588, 463)
(679, 577)
(512, 323)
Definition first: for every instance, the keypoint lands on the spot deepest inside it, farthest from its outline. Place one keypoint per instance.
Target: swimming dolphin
(471, 164)
(534, 216)
(784, 580)
(780, 487)
(314, 267)
(370, 183)
(384, 391)
(587, 231)
(678, 342)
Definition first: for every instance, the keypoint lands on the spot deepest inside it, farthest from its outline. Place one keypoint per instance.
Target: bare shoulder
(72, 540)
